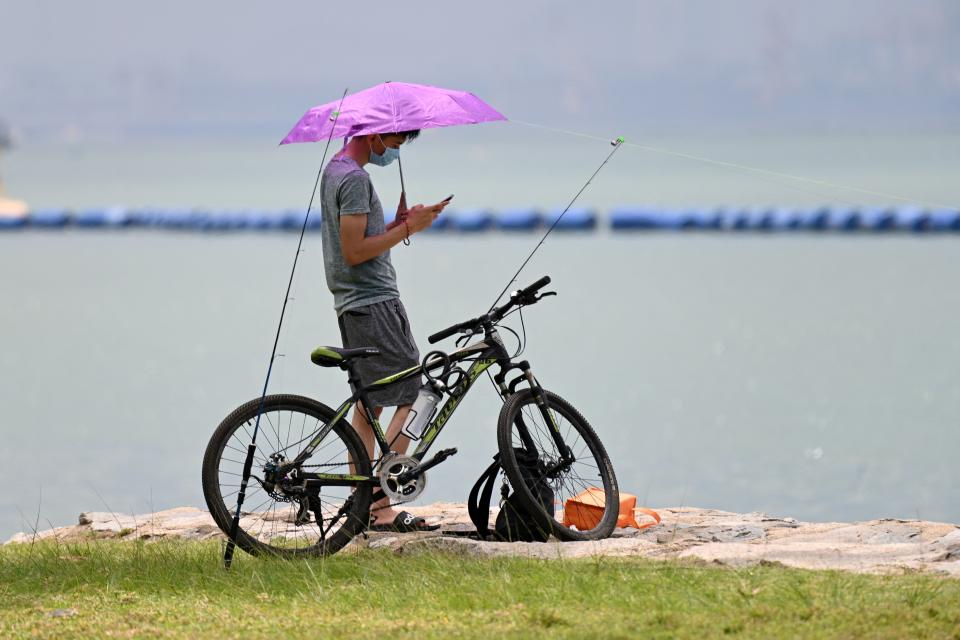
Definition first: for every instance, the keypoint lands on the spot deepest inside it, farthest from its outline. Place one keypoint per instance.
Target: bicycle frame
(482, 356)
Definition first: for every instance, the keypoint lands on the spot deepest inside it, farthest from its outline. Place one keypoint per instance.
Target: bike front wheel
(281, 516)
(570, 459)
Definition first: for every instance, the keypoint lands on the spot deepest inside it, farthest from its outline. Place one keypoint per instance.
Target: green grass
(179, 590)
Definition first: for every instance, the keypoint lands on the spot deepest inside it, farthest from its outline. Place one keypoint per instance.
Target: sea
(805, 375)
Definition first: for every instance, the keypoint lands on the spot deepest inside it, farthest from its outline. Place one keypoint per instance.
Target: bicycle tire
(577, 435)
(274, 542)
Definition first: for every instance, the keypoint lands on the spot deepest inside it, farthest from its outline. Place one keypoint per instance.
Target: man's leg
(382, 514)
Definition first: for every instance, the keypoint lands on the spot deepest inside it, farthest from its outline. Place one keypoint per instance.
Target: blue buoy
(911, 218)
(292, 220)
(12, 222)
(878, 219)
(736, 218)
(109, 217)
(518, 219)
(49, 218)
(632, 219)
(175, 218)
(815, 218)
(945, 220)
(470, 220)
(844, 218)
(701, 219)
(262, 220)
(223, 221)
(785, 219)
(575, 219)
(761, 218)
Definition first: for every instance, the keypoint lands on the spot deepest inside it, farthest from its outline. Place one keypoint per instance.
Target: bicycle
(313, 482)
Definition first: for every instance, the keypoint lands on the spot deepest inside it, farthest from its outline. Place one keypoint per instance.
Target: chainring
(391, 467)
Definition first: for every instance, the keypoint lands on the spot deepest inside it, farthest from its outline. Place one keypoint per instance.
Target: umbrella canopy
(391, 107)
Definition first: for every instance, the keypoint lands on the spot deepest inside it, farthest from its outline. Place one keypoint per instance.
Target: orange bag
(585, 510)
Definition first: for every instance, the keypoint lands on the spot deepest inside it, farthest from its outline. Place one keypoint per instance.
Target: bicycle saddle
(334, 357)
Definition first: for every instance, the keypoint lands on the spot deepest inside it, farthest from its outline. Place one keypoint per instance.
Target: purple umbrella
(391, 107)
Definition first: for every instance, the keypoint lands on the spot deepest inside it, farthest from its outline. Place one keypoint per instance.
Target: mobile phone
(448, 198)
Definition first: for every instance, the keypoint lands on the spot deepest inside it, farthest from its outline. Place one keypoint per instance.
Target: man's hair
(408, 136)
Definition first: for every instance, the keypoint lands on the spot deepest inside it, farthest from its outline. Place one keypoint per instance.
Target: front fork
(540, 397)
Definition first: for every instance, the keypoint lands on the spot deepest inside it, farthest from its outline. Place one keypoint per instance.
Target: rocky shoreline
(710, 535)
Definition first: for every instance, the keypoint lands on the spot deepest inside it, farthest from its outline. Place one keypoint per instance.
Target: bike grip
(446, 333)
(542, 282)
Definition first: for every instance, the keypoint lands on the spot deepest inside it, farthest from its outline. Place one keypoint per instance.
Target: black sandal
(405, 522)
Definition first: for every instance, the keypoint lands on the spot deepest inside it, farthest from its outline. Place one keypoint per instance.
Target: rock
(711, 535)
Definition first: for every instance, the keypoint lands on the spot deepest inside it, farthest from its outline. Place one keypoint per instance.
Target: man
(356, 257)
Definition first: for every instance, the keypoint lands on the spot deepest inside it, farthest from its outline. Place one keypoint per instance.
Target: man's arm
(357, 248)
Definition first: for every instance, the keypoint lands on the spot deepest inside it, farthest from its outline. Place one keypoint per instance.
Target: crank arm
(429, 464)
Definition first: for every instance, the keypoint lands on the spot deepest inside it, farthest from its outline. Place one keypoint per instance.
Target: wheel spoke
(588, 469)
(268, 521)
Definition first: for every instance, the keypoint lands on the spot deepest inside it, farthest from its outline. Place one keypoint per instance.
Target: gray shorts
(383, 325)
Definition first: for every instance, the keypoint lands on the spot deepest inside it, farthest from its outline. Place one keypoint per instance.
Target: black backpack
(514, 523)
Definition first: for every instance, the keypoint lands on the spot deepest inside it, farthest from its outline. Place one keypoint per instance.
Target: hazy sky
(112, 68)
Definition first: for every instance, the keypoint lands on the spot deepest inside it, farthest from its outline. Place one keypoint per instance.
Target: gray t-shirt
(346, 189)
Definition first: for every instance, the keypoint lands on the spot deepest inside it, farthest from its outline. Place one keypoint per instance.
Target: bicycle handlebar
(520, 296)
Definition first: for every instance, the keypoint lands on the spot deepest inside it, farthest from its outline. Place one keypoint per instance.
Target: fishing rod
(616, 143)
(252, 447)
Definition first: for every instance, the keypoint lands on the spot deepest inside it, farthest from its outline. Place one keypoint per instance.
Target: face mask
(389, 155)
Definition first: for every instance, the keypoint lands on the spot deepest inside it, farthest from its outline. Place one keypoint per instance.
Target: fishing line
(252, 447)
(617, 143)
(743, 167)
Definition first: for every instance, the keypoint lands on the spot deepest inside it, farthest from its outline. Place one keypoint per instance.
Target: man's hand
(402, 208)
(420, 217)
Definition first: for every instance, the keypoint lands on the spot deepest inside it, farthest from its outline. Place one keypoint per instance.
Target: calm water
(802, 376)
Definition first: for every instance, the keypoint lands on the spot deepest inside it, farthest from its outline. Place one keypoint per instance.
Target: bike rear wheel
(541, 431)
(281, 518)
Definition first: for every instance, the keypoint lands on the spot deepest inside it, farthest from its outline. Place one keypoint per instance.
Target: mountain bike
(312, 482)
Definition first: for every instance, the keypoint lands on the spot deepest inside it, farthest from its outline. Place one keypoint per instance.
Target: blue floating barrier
(140, 217)
(471, 220)
(518, 219)
(761, 218)
(878, 219)
(701, 219)
(263, 220)
(179, 219)
(843, 218)
(945, 220)
(90, 218)
(12, 222)
(815, 218)
(671, 219)
(575, 219)
(239, 219)
(222, 221)
(633, 219)
(49, 218)
(292, 220)
(911, 218)
(735, 218)
(785, 219)
(109, 217)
